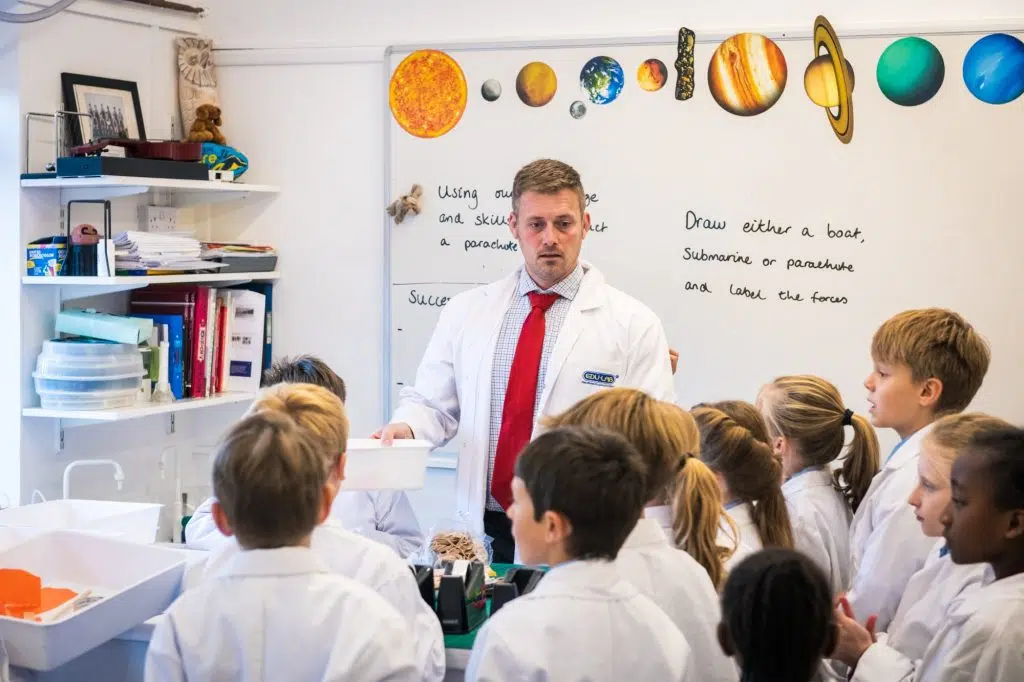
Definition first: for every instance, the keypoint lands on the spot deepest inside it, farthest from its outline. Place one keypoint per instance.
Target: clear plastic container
(109, 400)
(52, 385)
(86, 359)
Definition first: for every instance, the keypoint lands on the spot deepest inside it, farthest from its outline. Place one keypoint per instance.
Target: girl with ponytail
(684, 586)
(749, 477)
(807, 423)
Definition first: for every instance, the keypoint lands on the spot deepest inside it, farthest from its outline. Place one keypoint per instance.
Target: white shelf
(82, 287)
(182, 192)
(76, 417)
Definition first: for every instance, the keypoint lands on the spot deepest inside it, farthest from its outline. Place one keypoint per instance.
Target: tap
(118, 472)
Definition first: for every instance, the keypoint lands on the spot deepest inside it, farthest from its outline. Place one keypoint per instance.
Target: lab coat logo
(599, 378)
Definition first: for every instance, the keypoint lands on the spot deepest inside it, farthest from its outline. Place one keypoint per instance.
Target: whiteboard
(929, 196)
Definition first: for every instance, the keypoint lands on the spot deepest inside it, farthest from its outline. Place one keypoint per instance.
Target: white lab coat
(582, 623)
(381, 515)
(749, 540)
(368, 563)
(981, 638)
(821, 518)
(681, 587)
(928, 596)
(605, 332)
(886, 541)
(278, 614)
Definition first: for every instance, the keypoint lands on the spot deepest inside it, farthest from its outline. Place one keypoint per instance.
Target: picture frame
(115, 105)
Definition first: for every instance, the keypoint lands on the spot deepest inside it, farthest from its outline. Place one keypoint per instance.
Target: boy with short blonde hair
(274, 611)
(320, 414)
(927, 363)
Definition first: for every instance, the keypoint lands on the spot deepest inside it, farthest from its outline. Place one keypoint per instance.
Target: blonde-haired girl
(749, 477)
(807, 423)
(673, 579)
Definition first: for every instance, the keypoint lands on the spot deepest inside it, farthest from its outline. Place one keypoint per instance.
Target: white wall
(318, 129)
(372, 22)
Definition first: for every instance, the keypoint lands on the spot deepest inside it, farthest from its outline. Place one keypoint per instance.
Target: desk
(123, 658)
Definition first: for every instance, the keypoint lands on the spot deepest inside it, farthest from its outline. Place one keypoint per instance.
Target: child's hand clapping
(854, 638)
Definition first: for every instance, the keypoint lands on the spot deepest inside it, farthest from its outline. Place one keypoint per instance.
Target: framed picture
(113, 105)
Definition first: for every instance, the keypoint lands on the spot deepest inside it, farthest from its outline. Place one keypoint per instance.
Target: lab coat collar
(662, 515)
(910, 449)
(591, 292)
(809, 478)
(273, 562)
(993, 594)
(579, 578)
(646, 533)
(742, 514)
(567, 288)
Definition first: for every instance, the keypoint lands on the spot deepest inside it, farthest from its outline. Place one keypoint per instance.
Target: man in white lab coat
(528, 345)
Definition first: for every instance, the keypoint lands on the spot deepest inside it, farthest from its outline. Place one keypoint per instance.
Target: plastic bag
(450, 539)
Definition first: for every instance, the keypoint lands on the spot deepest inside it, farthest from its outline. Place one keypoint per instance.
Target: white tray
(137, 581)
(132, 521)
(371, 466)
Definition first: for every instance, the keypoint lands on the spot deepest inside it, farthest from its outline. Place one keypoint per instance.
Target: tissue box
(135, 582)
(45, 257)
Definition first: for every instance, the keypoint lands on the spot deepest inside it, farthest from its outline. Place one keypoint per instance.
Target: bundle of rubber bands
(454, 545)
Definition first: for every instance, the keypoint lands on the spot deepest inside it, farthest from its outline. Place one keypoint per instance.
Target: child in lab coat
(577, 494)
(384, 516)
(931, 590)
(321, 414)
(667, 438)
(274, 612)
(806, 421)
(927, 363)
(751, 482)
(982, 634)
(777, 617)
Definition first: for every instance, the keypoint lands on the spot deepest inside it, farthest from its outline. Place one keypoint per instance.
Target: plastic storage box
(136, 522)
(86, 374)
(371, 466)
(135, 582)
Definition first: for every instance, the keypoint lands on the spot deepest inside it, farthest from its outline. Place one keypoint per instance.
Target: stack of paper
(154, 251)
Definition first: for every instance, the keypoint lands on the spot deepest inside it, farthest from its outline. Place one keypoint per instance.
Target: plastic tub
(135, 582)
(371, 466)
(88, 401)
(49, 384)
(88, 359)
(131, 521)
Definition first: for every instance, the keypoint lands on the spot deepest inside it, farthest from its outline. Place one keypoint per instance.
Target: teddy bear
(205, 128)
(407, 203)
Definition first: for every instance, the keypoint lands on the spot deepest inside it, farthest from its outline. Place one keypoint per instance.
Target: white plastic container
(371, 466)
(107, 400)
(135, 522)
(137, 583)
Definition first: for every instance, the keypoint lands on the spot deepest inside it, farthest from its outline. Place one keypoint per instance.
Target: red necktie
(520, 398)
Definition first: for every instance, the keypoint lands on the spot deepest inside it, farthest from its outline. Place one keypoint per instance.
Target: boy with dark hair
(576, 495)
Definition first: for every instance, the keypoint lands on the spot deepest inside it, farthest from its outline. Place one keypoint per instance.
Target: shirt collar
(273, 562)
(646, 533)
(567, 288)
(811, 477)
(662, 515)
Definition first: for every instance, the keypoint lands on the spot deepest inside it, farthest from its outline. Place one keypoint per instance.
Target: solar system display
(747, 74)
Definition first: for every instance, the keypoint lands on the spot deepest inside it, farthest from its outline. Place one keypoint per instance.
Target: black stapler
(461, 601)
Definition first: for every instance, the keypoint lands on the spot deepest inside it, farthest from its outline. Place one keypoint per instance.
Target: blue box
(45, 257)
